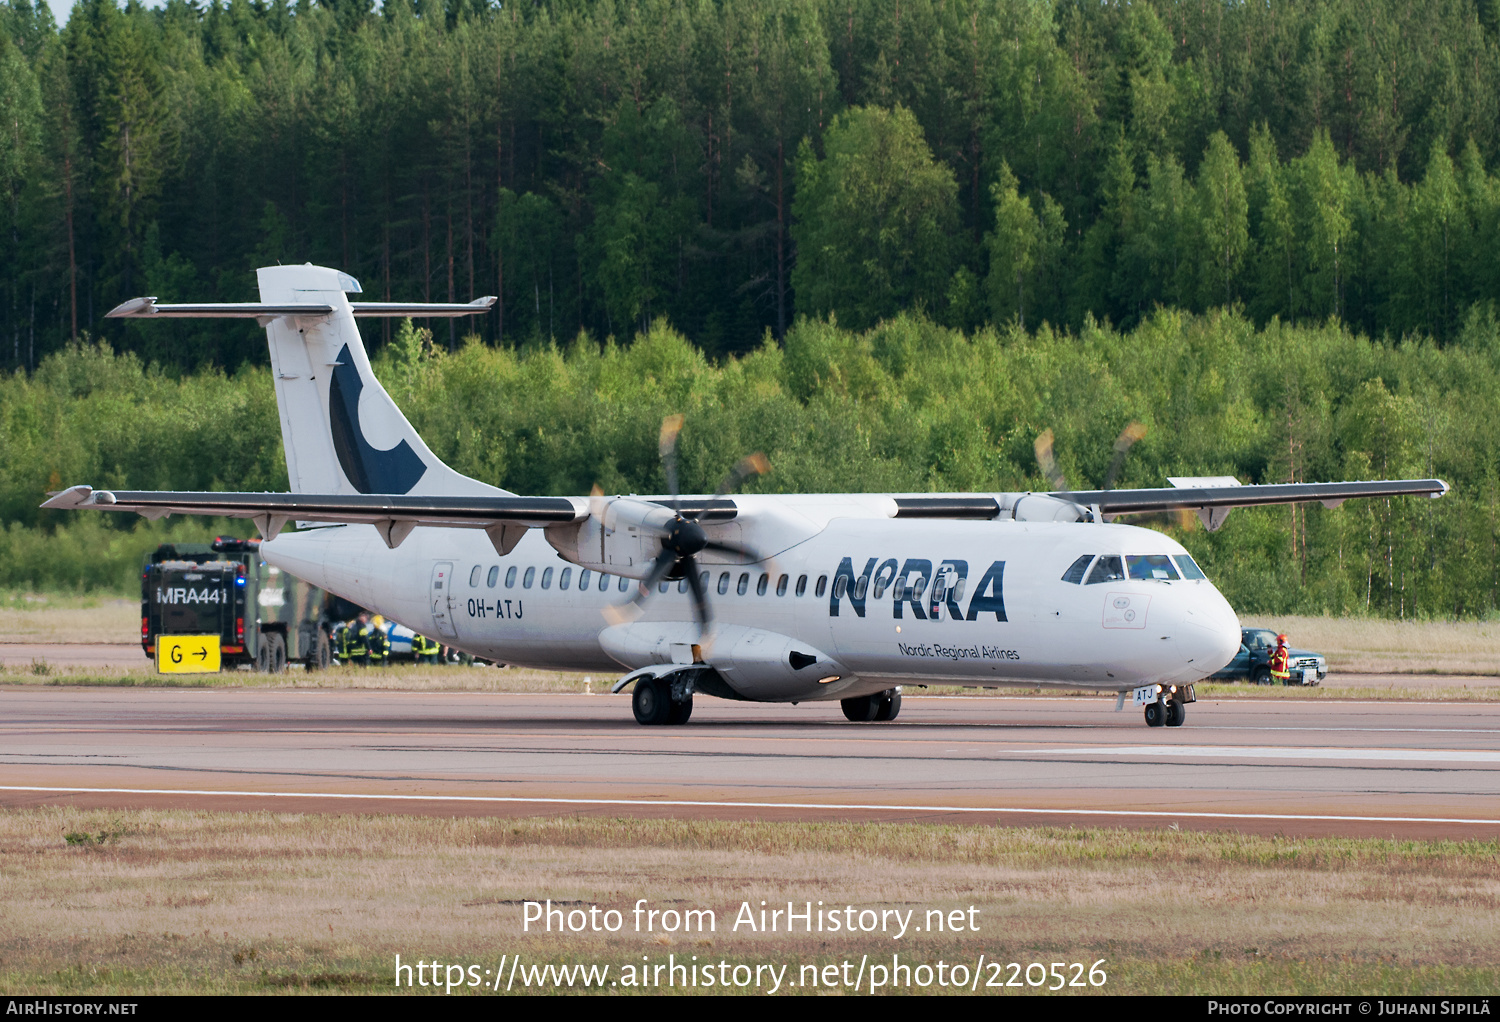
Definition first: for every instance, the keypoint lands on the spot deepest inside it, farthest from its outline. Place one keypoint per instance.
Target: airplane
(760, 597)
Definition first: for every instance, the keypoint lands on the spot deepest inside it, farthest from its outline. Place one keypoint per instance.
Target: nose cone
(1210, 633)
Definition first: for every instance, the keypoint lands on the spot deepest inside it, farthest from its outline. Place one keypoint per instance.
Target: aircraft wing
(1212, 502)
(506, 516)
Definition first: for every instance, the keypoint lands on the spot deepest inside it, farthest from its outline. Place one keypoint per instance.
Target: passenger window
(781, 585)
(822, 585)
(510, 577)
(662, 587)
(1189, 567)
(528, 578)
(682, 586)
(760, 587)
(565, 578)
(740, 589)
(547, 578)
(860, 587)
(1106, 569)
(474, 578)
(723, 583)
(603, 582)
(493, 576)
(1147, 567)
(1077, 569)
(583, 580)
(840, 586)
(624, 584)
(801, 584)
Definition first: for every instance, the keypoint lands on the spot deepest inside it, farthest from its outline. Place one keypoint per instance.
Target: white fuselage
(1011, 620)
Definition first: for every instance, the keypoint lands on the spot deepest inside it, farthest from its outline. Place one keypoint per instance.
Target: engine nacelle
(1043, 507)
(621, 535)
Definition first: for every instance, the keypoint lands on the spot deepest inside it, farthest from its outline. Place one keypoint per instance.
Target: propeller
(1128, 438)
(1048, 463)
(1123, 443)
(683, 537)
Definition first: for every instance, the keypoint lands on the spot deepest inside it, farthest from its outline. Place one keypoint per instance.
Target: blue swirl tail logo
(371, 471)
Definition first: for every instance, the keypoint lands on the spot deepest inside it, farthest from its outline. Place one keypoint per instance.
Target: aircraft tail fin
(341, 431)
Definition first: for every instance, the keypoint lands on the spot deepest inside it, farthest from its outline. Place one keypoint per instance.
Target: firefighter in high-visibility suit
(1281, 671)
(424, 650)
(380, 643)
(357, 647)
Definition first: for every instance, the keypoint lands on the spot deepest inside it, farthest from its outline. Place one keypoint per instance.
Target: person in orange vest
(1280, 669)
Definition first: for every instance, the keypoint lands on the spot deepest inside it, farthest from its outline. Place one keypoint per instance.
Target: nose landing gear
(1166, 705)
(1169, 712)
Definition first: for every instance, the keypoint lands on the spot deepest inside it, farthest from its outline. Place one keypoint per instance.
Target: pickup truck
(1253, 661)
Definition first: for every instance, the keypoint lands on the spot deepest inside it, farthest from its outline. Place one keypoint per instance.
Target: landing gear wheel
(888, 704)
(1155, 715)
(1176, 714)
(680, 712)
(651, 701)
(861, 708)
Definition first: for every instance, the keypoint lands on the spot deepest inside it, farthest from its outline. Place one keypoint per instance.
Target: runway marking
(697, 804)
(1269, 752)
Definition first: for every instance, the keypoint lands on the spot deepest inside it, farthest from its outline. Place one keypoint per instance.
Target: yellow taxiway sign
(187, 654)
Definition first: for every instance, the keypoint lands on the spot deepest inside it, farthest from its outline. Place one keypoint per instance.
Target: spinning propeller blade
(683, 537)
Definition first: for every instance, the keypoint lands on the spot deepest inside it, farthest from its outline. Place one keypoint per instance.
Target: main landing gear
(654, 702)
(880, 706)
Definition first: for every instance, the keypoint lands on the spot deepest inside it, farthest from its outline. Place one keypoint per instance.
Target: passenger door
(442, 599)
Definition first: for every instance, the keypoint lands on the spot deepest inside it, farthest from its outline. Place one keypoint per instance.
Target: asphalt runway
(1356, 768)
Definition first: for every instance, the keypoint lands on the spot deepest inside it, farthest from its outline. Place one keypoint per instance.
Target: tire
(1154, 715)
(1176, 714)
(680, 712)
(651, 702)
(263, 657)
(278, 653)
(861, 708)
(1261, 676)
(320, 655)
(888, 704)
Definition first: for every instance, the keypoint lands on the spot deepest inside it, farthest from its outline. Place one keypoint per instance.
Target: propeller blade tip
(670, 427)
(621, 614)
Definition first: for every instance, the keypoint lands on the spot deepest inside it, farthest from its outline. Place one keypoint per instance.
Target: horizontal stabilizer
(149, 308)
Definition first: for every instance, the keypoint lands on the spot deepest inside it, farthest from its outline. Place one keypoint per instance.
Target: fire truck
(261, 616)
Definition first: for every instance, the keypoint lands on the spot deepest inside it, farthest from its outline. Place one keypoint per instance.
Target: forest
(731, 166)
(888, 242)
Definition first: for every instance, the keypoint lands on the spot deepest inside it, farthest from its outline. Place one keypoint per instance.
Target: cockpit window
(1075, 571)
(1189, 567)
(1106, 569)
(1151, 566)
